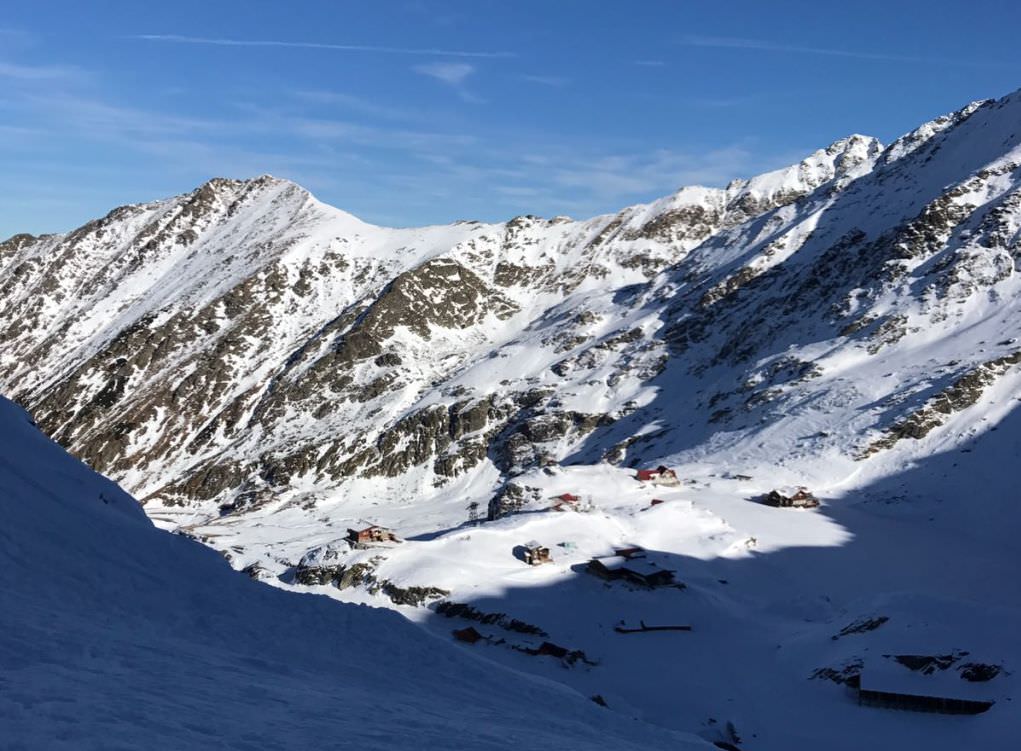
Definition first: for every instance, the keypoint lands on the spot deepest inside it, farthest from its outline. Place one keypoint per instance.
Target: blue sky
(426, 111)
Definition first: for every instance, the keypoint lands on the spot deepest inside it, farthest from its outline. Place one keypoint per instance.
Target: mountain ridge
(223, 198)
(269, 240)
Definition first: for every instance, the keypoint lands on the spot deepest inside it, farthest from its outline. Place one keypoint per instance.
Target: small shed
(791, 498)
(630, 551)
(566, 502)
(373, 535)
(536, 554)
(569, 656)
(659, 476)
(888, 683)
(468, 635)
(551, 649)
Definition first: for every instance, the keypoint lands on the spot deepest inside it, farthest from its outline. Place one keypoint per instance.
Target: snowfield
(118, 636)
(266, 373)
(766, 591)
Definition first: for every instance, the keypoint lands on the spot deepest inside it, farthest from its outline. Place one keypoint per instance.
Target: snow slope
(265, 372)
(114, 635)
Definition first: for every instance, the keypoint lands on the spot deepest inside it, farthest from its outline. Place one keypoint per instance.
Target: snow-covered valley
(265, 373)
(118, 636)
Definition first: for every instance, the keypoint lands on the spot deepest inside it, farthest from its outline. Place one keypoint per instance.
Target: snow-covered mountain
(247, 344)
(116, 635)
(264, 371)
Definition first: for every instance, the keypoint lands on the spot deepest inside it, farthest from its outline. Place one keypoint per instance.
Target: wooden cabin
(535, 554)
(569, 656)
(638, 571)
(630, 551)
(371, 536)
(553, 650)
(885, 683)
(798, 498)
(468, 635)
(659, 476)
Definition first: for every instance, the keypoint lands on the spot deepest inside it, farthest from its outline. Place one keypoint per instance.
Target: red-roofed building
(371, 536)
(567, 502)
(659, 476)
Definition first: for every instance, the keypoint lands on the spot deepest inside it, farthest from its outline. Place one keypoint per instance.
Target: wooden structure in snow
(630, 551)
(659, 476)
(468, 635)
(642, 628)
(886, 683)
(796, 498)
(566, 502)
(636, 570)
(371, 536)
(551, 649)
(569, 656)
(571, 502)
(536, 554)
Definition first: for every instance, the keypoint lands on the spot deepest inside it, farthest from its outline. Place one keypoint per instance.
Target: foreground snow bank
(115, 635)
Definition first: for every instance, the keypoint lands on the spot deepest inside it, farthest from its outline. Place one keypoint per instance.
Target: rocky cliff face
(246, 345)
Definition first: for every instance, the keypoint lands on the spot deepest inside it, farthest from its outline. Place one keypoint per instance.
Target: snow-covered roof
(887, 675)
(641, 566)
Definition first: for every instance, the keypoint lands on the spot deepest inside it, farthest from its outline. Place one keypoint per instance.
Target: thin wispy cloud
(554, 81)
(99, 119)
(620, 176)
(39, 72)
(740, 43)
(225, 42)
(353, 104)
(16, 37)
(650, 63)
(452, 74)
(723, 102)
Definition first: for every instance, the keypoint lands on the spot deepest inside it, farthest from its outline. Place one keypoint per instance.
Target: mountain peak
(911, 141)
(232, 188)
